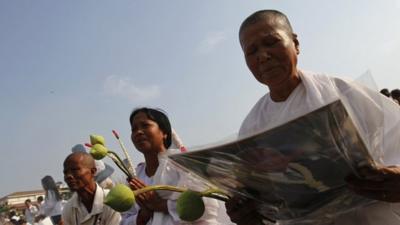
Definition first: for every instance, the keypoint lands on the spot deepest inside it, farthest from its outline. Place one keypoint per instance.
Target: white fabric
(166, 174)
(75, 212)
(30, 213)
(45, 221)
(376, 117)
(51, 206)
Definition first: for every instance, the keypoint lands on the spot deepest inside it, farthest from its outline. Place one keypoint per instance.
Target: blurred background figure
(385, 92)
(39, 202)
(31, 211)
(395, 94)
(52, 206)
(13, 217)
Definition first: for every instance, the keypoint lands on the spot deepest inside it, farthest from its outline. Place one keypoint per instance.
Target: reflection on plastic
(295, 172)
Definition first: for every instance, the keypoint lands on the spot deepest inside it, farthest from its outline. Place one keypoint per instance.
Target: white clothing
(75, 212)
(30, 213)
(375, 116)
(51, 206)
(45, 221)
(169, 175)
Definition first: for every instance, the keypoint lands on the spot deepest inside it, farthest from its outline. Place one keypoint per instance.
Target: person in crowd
(395, 94)
(14, 217)
(39, 202)
(151, 135)
(86, 206)
(52, 206)
(30, 211)
(271, 50)
(385, 92)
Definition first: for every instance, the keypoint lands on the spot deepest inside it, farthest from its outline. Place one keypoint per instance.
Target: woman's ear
(296, 43)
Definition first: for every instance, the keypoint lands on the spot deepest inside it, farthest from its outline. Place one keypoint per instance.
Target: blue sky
(72, 68)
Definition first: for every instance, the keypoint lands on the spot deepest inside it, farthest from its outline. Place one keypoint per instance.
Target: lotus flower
(120, 198)
(190, 206)
(98, 151)
(97, 139)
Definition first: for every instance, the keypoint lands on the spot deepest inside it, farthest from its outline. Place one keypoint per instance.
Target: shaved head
(271, 15)
(79, 171)
(84, 158)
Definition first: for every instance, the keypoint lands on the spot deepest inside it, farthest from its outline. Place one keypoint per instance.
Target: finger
(371, 185)
(386, 196)
(380, 173)
(133, 186)
(140, 201)
(138, 183)
(391, 172)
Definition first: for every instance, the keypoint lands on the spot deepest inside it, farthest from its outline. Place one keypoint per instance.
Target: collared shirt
(75, 212)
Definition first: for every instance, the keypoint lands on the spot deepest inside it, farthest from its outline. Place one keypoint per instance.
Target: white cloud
(211, 42)
(124, 87)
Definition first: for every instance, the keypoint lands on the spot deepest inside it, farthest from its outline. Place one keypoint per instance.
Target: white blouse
(168, 174)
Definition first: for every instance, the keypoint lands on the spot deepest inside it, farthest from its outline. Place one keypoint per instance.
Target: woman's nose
(137, 132)
(263, 55)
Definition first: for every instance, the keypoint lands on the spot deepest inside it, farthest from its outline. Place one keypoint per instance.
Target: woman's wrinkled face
(147, 135)
(270, 52)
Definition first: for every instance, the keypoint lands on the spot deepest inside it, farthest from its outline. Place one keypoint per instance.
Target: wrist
(161, 206)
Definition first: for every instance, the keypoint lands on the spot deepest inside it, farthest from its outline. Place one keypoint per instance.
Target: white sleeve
(66, 216)
(376, 117)
(49, 203)
(114, 218)
(129, 217)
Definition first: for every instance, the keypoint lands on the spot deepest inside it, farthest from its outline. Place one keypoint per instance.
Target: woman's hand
(243, 212)
(150, 199)
(381, 184)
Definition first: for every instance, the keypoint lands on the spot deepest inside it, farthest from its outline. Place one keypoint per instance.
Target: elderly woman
(271, 50)
(151, 135)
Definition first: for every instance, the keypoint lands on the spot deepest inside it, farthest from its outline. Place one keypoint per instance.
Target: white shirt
(30, 213)
(169, 175)
(376, 117)
(75, 212)
(51, 206)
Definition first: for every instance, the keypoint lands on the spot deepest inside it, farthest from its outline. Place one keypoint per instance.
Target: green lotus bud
(98, 151)
(97, 139)
(190, 206)
(120, 198)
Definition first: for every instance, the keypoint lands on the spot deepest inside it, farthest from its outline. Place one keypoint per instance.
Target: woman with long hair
(52, 206)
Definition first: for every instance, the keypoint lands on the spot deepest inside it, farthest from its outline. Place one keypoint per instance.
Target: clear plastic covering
(295, 169)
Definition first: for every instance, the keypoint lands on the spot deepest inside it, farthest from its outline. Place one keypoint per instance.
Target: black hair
(385, 92)
(395, 93)
(40, 198)
(267, 14)
(49, 184)
(160, 118)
